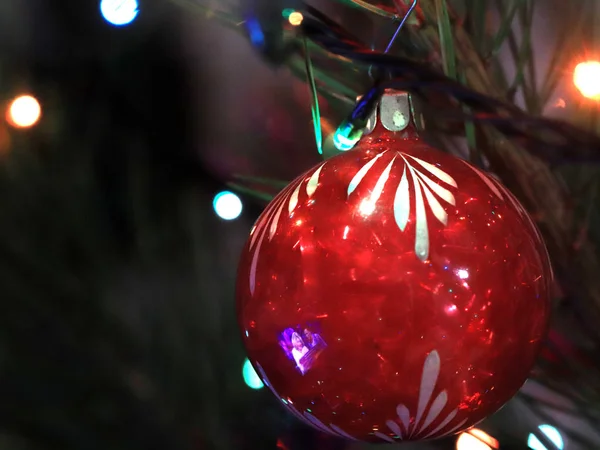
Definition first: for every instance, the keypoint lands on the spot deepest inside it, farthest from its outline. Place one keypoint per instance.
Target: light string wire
(552, 140)
(351, 130)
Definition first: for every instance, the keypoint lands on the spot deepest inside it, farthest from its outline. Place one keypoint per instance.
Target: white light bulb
(119, 12)
(227, 205)
(24, 111)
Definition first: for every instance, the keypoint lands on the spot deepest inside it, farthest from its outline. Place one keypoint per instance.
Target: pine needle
(273, 183)
(314, 99)
(446, 38)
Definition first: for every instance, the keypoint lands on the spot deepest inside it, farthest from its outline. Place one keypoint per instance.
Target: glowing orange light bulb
(24, 111)
(586, 78)
(475, 439)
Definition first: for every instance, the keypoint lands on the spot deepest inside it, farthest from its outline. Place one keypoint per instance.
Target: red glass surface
(424, 279)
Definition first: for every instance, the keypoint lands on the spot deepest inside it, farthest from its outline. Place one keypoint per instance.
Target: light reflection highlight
(367, 207)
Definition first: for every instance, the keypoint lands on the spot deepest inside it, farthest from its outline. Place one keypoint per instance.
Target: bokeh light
(251, 378)
(227, 205)
(24, 111)
(295, 18)
(119, 12)
(586, 78)
(468, 442)
(476, 439)
(551, 433)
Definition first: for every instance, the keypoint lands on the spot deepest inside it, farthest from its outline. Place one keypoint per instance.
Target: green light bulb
(346, 136)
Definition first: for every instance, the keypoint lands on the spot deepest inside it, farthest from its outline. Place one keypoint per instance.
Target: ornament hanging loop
(401, 25)
(397, 32)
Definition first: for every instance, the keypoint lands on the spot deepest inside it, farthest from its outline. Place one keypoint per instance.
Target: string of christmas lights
(552, 140)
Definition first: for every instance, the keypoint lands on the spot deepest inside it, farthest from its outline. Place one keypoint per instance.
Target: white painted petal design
(271, 219)
(292, 408)
(341, 432)
(435, 171)
(378, 190)
(275, 221)
(307, 417)
(294, 198)
(258, 228)
(428, 411)
(361, 173)
(502, 193)
(436, 408)
(421, 231)
(426, 193)
(443, 193)
(384, 437)
(253, 264)
(511, 198)
(403, 415)
(401, 428)
(402, 202)
(331, 429)
(453, 429)
(431, 370)
(258, 235)
(486, 180)
(394, 427)
(438, 210)
(442, 424)
(316, 422)
(313, 182)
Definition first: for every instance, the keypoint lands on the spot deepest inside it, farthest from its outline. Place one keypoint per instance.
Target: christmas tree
(123, 123)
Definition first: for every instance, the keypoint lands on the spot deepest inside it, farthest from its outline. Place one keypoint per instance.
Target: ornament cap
(396, 113)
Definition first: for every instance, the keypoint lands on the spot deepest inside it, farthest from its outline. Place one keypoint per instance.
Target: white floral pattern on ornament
(486, 179)
(403, 429)
(271, 220)
(424, 186)
(497, 188)
(307, 417)
(423, 190)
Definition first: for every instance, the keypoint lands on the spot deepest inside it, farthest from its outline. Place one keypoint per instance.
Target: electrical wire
(552, 140)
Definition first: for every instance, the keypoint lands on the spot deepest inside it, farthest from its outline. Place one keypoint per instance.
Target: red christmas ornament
(394, 292)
